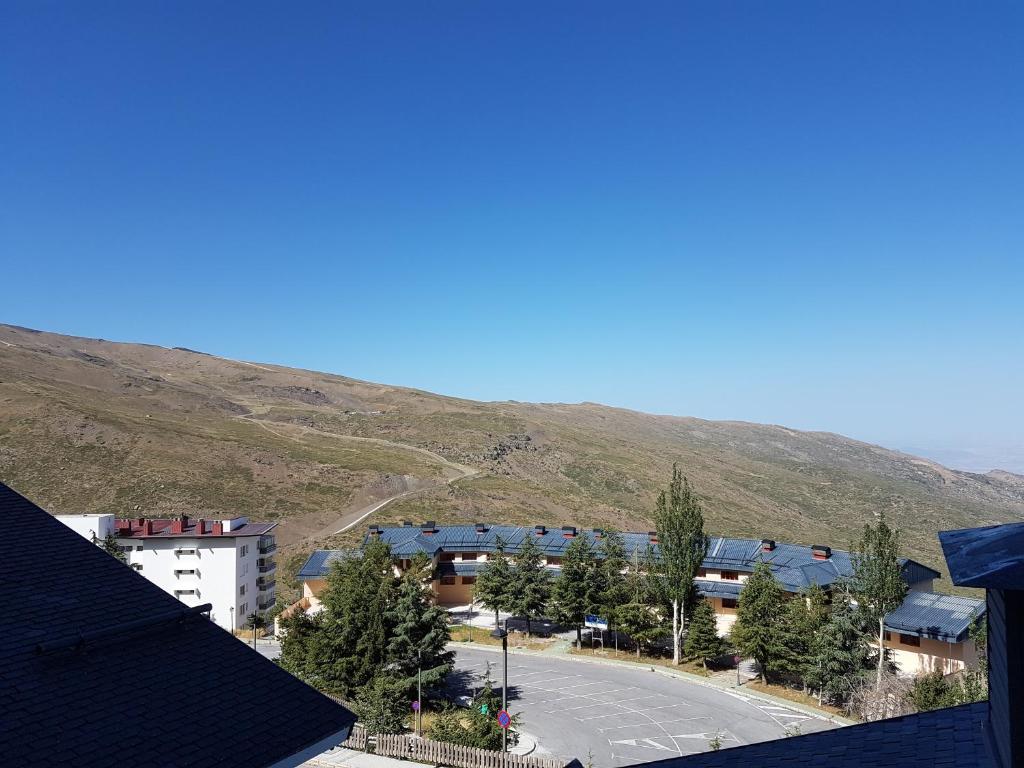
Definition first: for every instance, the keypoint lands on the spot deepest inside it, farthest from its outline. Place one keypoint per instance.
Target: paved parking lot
(621, 715)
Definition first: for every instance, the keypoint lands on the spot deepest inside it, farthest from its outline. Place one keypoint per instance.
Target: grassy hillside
(91, 425)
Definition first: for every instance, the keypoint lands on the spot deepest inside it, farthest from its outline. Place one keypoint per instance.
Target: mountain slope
(92, 425)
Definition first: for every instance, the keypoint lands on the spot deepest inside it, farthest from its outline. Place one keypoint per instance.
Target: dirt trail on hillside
(368, 500)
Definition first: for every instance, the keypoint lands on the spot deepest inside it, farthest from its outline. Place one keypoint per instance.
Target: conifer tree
(838, 656)
(494, 583)
(530, 583)
(612, 570)
(758, 631)
(682, 546)
(419, 635)
(341, 649)
(640, 621)
(878, 584)
(702, 640)
(577, 589)
(382, 706)
(109, 545)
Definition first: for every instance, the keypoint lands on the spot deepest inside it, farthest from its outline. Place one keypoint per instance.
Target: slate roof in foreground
(945, 738)
(986, 557)
(99, 667)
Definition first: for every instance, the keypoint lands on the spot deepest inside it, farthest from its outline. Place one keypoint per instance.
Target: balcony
(265, 603)
(266, 566)
(265, 584)
(266, 546)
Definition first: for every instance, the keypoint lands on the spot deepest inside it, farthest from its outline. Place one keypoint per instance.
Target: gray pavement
(621, 715)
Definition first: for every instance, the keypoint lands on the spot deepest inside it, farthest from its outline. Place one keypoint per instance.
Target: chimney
(569, 531)
(200, 526)
(375, 530)
(653, 536)
(481, 527)
(821, 552)
(407, 523)
(599, 533)
(147, 528)
(218, 528)
(767, 545)
(141, 521)
(178, 525)
(540, 530)
(428, 528)
(993, 557)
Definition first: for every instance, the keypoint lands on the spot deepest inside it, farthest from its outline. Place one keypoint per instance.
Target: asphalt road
(620, 715)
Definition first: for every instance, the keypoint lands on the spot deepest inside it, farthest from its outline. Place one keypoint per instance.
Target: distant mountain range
(91, 425)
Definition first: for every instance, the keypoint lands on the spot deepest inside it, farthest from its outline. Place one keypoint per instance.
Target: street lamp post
(503, 634)
(419, 692)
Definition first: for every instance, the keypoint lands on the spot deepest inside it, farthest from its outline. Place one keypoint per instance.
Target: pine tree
(614, 590)
(931, 691)
(758, 631)
(109, 545)
(343, 648)
(878, 583)
(530, 583)
(838, 659)
(702, 641)
(494, 583)
(641, 622)
(577, 589)
(382, 706)
(419, 635)
(682, 546)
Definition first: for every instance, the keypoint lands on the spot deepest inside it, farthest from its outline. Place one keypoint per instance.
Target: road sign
(504, 719)
(415, 706)
(595, 622)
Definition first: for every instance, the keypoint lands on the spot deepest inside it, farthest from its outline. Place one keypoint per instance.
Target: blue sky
(799, 213)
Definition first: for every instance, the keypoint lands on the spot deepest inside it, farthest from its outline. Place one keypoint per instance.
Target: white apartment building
(227, 563)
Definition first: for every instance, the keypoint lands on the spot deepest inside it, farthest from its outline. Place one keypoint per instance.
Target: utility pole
(419, 692)
(503, 634)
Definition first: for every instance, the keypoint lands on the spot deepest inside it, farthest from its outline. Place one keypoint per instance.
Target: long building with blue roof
(928, 632)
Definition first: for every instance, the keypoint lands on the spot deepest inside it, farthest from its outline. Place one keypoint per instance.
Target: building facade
(928, 632)
(227, 563)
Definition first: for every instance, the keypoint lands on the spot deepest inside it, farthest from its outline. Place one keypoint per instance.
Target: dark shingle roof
(793, 564)
(151, 684)
(318, 565)
(986, 557)
(459, 569)
(941, 617)
(945, 738)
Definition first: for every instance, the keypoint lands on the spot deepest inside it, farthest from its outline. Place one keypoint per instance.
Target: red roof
(145, 528)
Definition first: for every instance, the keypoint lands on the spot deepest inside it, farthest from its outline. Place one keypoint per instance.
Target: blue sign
(595, 622)
(504, 719)
(415, 706)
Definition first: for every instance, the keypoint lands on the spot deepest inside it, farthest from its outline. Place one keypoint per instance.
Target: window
(138, 548)
(180, 592)
(730, 576)
(126, 549)
(702, 573)
(243, 608)
(469, 579)
(730, 602)
(185, 572)
(245, 550)
(887, 635)
(913, 640)
(468, 556)
(241, 590)
(137, 566)
(447, 580)
(554, 561)
(447, 557)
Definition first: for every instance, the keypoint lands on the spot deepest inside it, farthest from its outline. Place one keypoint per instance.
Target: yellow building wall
(931, 656)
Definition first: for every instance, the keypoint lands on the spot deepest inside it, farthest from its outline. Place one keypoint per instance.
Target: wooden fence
(407, 747)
